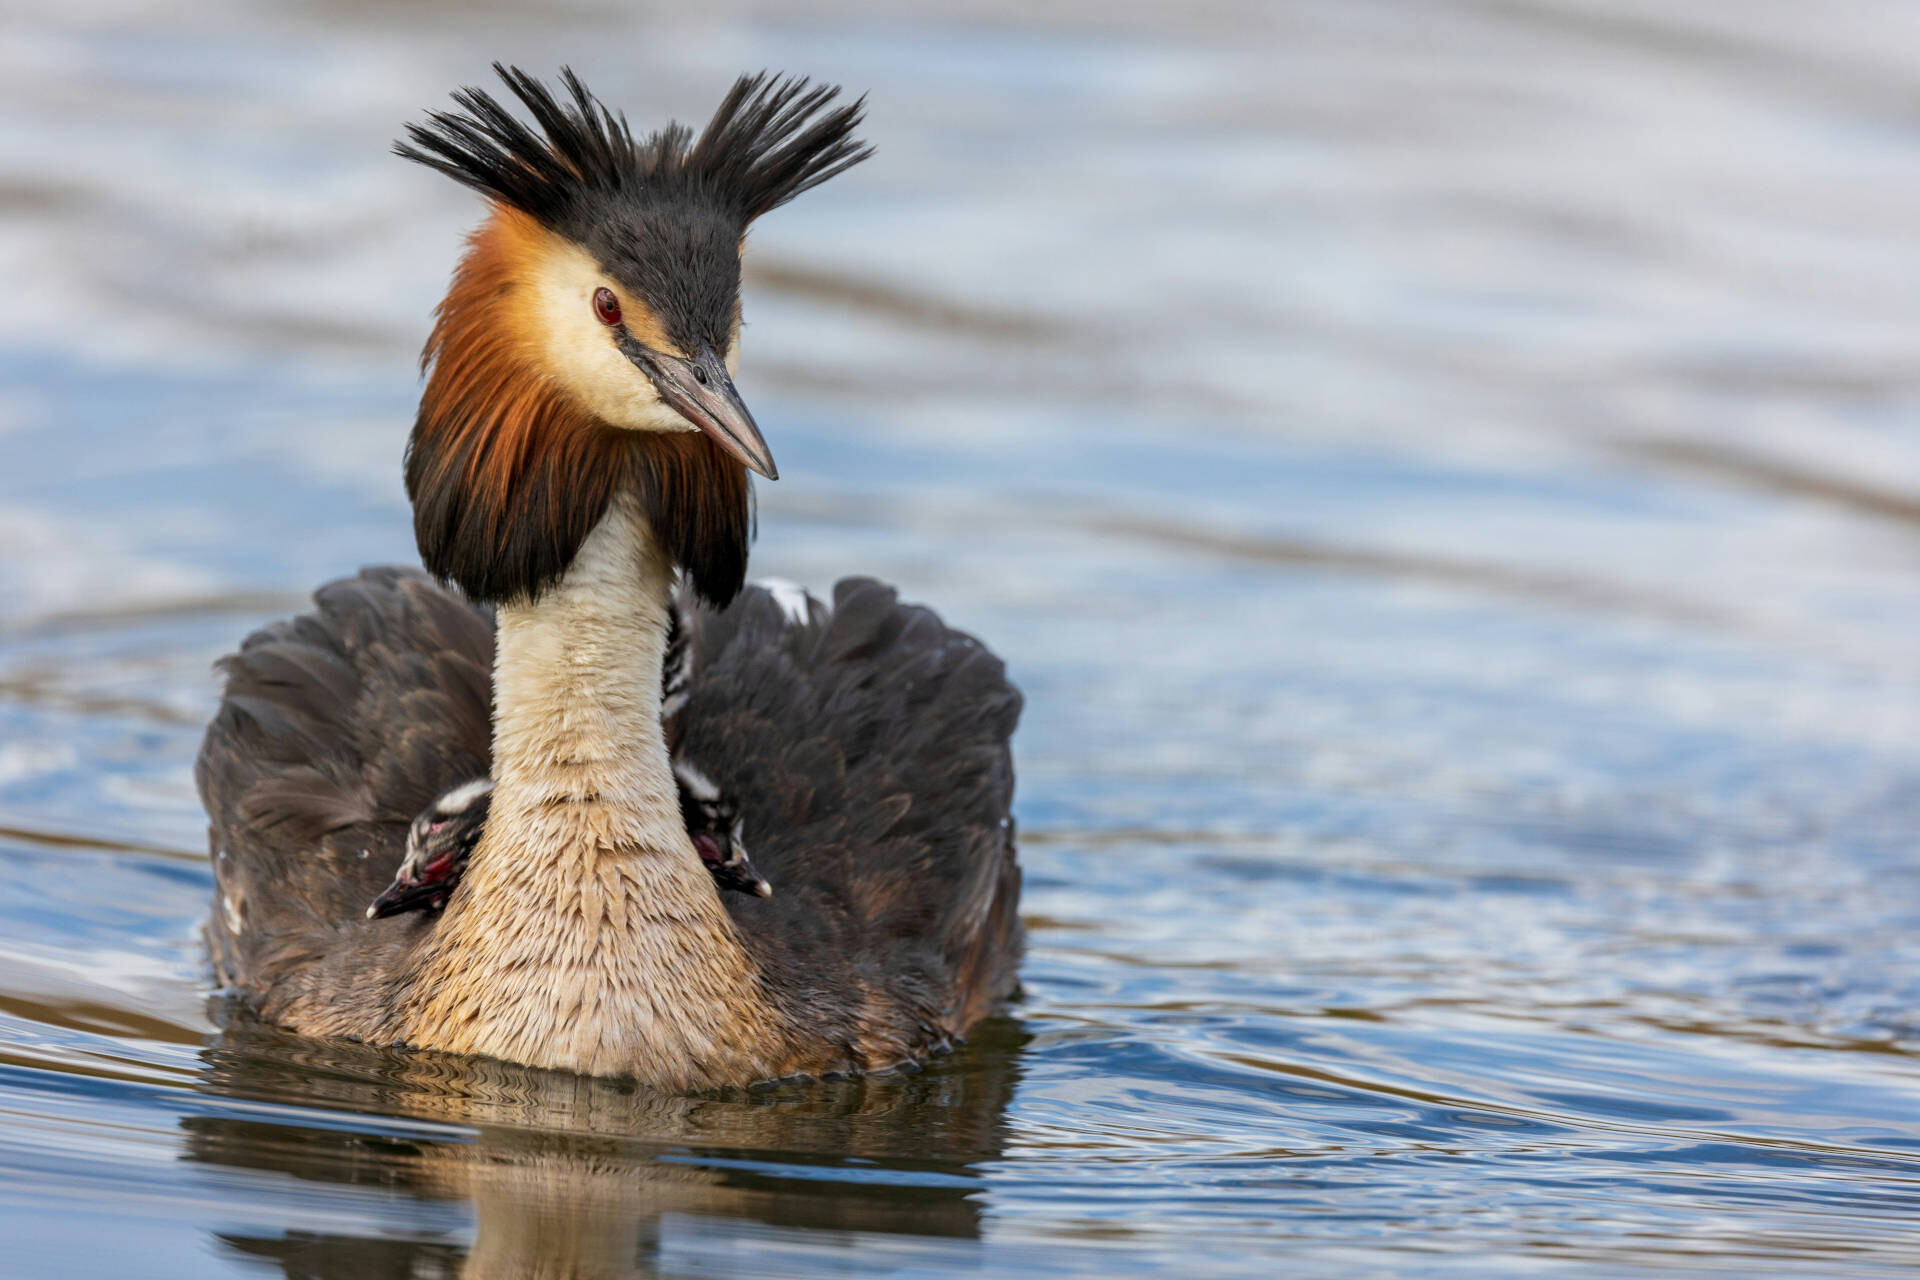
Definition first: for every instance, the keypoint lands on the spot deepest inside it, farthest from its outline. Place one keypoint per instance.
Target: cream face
(577, 351)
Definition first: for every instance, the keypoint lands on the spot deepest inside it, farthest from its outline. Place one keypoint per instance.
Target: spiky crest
(771, 138)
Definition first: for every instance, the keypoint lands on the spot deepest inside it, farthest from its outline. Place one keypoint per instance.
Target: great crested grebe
(579, 441)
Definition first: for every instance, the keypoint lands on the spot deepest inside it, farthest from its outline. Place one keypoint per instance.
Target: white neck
(586, 934)
(576, 688)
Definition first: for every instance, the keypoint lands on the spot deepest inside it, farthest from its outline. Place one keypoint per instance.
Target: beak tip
(708, 400)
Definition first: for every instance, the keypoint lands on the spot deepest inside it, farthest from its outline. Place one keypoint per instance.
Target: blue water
(1446, 476)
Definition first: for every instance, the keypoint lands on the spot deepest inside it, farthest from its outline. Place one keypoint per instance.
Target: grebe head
(592, 330)
(439, 842)
(718, 831)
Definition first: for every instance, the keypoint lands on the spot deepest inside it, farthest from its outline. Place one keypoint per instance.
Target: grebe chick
(439, 842)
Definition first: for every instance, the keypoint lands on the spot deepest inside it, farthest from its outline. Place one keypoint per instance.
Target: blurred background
(1446, 474)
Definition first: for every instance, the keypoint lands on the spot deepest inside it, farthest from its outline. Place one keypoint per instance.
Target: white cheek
(578, 351)
(652, 416)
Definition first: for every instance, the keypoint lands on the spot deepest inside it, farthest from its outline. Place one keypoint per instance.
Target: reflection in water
(570, 1177)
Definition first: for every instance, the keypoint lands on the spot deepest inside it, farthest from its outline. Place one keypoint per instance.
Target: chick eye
(606, 306)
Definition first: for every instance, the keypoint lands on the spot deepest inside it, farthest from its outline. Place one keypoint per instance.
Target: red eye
(606, 306)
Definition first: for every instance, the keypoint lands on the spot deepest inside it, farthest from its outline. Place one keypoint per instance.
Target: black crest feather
(772, 138)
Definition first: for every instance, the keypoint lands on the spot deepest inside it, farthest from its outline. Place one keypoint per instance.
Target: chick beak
(400, 897)
(729, 864)
(701, 390)
(740, 875)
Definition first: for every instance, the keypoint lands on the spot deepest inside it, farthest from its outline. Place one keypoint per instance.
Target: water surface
(1445, 474)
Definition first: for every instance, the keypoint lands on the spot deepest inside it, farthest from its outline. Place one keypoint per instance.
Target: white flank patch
(791, 597)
